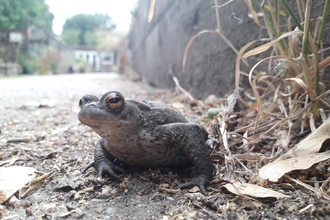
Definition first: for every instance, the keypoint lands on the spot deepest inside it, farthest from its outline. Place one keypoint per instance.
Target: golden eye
(114, 101)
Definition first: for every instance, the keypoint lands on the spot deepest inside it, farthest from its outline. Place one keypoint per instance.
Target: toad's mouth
(96, 119)
(87, 120)
(89, 115)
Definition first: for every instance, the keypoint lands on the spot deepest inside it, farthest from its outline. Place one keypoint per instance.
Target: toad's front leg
(103, 161)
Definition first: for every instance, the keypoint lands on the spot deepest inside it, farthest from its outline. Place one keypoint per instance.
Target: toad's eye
(114, 101)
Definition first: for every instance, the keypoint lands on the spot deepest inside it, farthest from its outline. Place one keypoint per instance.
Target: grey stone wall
(158, 47)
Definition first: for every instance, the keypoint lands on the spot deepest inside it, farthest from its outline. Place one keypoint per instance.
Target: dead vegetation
(262, 152)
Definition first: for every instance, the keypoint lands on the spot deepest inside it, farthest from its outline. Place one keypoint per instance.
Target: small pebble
(170, 198)
(111, 210)
(141, 205)
(49, 207)
(99, 200)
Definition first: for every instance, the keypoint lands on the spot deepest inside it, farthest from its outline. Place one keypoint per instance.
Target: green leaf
(211, 112)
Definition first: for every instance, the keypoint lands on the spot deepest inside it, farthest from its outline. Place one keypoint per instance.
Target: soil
(39, 129)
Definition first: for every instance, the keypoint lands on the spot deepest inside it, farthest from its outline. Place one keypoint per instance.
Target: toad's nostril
(93, 104)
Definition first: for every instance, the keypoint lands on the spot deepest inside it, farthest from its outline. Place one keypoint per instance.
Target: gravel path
(39, 128)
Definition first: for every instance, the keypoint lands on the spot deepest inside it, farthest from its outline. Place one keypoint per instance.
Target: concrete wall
(158, 47)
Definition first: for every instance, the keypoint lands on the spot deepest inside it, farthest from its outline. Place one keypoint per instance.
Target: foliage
(53, 59)
(71, 36)
(27, 63)
(16, 13)
(81, 65)
(90, 38)
(85, 25)
(51, 62)
(108, 40)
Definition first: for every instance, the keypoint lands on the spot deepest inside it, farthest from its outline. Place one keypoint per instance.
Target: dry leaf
(71, 212)
(252, 190)
(311, 144)
(266, 46)
(278, 168)
(164, 187)
(13, 179)
(34, 184)
(173, 191)
(194, 189)
(253, 14)
(78, 194)
(178, 105)
(302, 84)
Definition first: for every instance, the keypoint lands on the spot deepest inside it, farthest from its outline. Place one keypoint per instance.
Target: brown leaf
(240, 188)
(266, 46)
(311, 144)
(278, 168)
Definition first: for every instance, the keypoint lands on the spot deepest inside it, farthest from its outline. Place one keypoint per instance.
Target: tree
(16, 13)
(71, 36)
(90, 38)
(85, 24)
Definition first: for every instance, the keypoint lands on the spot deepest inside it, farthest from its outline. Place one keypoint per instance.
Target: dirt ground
(40, 129)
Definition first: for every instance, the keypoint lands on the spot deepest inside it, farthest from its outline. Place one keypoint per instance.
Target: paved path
(63, 89)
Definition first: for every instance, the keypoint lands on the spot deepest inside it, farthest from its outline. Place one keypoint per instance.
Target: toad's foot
(104, 163)
(105, 167)
(89, 165)
(199, 181)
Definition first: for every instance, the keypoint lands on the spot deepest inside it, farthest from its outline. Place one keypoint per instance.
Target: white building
(98, 60)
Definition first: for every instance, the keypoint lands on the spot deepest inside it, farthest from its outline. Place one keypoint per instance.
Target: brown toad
(145, 134)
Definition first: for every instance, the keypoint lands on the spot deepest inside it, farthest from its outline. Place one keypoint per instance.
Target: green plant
(27, 63)
(49, 62)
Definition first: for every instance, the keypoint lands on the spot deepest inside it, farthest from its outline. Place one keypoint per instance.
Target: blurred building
(20, 49)
(100, 61)
(35, 49)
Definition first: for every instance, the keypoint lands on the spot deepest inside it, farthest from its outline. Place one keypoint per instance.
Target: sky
(119, 10)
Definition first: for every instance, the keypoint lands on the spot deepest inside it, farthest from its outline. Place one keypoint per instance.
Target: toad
(145, 134)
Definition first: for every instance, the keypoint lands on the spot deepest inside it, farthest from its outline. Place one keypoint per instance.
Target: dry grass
(287, 100)
(290, 87)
